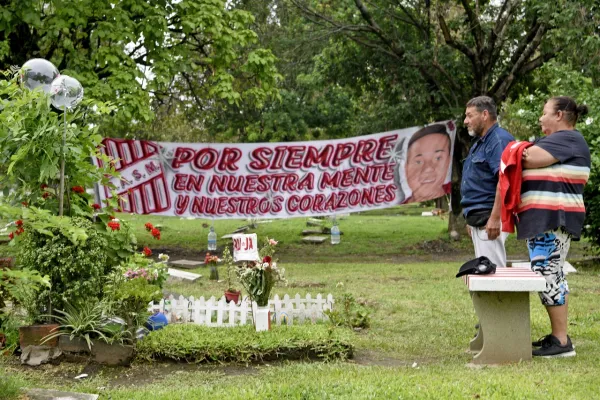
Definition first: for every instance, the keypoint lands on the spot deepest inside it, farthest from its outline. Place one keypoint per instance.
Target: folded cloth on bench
(479, 266)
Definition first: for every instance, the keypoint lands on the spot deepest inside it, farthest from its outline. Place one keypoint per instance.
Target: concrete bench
(501, 301)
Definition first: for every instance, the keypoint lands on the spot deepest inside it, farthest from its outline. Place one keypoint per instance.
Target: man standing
(479, 188)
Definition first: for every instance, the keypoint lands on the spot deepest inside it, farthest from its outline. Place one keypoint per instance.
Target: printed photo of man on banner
(280, 180)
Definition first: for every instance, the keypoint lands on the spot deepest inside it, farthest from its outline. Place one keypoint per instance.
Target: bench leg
(476, 343)
(504, 317)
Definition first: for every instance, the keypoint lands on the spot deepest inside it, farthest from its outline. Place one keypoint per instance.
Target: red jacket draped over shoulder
(511, 172)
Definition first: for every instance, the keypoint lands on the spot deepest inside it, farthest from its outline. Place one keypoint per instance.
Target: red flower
(19, 230)
(267, 259)
(111, 217)
(78, 189)
(25, 204)
(19, 222)
(149, 226)
(207, 258)
(156, 233)
(11, 236)
(96, 206)
(45, 195)
(147, 252)
(43, 186)
(115, 226)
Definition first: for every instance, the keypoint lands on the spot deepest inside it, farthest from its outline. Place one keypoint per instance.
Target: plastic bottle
(335, 233)
(212, 239)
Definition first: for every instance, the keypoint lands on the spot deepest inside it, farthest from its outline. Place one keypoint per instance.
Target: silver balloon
(65, 92)
(38, 72)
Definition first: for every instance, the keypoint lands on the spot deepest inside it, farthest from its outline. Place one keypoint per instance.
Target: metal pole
(61, 195)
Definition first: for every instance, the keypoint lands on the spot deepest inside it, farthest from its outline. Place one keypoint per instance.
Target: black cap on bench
(477, 266)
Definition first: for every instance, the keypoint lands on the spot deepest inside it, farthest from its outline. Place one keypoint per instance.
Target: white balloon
(65, 92)
(38, 72)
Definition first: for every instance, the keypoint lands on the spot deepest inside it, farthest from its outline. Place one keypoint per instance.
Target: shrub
(196, 343)
(76, 268)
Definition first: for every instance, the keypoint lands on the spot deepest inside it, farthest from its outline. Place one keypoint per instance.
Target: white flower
(520, 112)
(163, 257)
(589, 120)
(340, 284)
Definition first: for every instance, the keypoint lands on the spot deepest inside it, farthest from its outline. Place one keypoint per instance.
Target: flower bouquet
(211, 261)
(258, 277)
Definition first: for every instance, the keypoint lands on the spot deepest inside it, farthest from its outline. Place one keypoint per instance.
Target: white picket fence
(213, 312)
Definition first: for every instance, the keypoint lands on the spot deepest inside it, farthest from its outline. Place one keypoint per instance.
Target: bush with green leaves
(349, 313)
(242, 344)
(129, 299)
(76, 265)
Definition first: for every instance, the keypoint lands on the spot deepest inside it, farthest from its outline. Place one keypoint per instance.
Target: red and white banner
(279, 180)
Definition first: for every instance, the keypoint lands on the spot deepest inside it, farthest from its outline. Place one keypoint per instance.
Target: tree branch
(476, 30)
(453, 43)
(376, 29)
(505, 81)
(499, 30)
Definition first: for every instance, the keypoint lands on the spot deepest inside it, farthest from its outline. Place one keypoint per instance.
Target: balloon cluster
(65, 92)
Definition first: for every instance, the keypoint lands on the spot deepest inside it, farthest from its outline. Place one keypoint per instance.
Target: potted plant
(231, 293)
(21, 286)
(258, 278)
(81, 327)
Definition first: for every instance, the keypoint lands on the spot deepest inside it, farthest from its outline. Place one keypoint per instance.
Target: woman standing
(551, 212)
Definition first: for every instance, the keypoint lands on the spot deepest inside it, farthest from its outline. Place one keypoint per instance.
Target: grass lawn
(422, 321)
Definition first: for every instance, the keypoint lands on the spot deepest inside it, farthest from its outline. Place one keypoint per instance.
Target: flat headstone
(242, 229)
(187, 264)
(49, 394)
(312, 232)
(228, 236)
(186, 276)
(314, 239)
(268, 221)
(426, 214)
(314, 223)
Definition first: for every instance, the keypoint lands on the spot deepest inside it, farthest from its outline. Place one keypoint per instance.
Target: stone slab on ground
(268, 221)
(186, 276)
(314, 239)
(567, 267)
(187, 264)
(38, 355)
(49, 394)
(228, 236)
(312, 232)
(242, 229)
(314, 223)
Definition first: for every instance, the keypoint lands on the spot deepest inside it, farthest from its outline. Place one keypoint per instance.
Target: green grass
(420, 314)
(242, 344)
(381, 235)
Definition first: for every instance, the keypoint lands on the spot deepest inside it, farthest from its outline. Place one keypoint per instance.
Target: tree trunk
(456, 221)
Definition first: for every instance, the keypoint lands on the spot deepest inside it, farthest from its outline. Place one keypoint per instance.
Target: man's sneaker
(540, 342)
(553, 348)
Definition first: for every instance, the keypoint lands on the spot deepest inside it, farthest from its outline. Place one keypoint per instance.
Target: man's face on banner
(427, 165)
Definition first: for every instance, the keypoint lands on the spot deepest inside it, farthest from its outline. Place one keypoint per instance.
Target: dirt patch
(436, 246)
(397, 278)
(371, 358)
(307, 284)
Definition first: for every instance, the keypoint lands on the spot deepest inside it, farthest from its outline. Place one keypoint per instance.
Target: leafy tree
(184, 57)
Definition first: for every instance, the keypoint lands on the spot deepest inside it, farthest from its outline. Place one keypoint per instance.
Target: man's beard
(475, 131)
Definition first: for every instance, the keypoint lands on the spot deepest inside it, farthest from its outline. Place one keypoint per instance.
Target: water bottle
(335, 233)
(212, 239)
